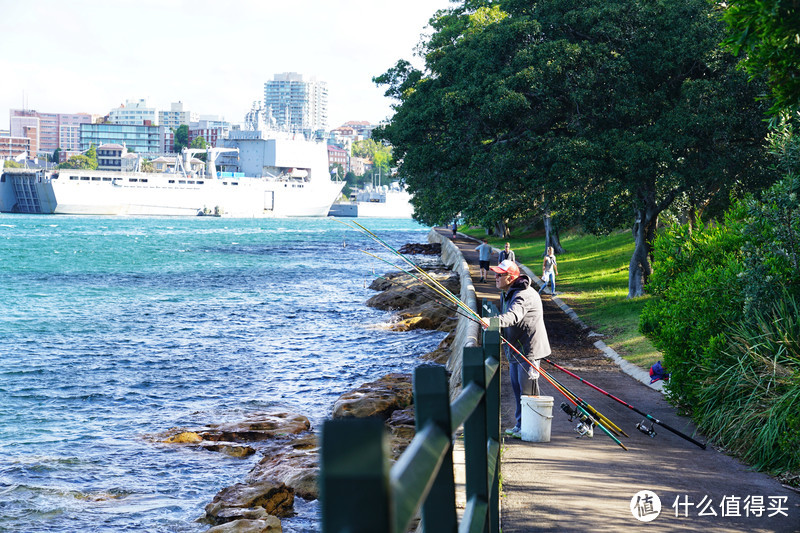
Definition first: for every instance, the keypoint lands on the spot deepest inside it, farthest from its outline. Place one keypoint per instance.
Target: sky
(90, 56)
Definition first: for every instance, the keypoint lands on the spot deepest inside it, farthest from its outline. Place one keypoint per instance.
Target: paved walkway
(585, 485)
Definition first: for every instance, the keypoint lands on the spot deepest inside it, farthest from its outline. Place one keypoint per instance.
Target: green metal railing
(359, 492)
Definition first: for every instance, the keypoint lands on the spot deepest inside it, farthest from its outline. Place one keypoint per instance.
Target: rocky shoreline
(288, 446)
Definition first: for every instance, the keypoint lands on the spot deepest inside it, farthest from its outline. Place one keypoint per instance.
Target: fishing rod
(449, 307)
(578, 407)
(422, 271)
(600, 416)
(640, 426)
(444, 291)
(435, 288)
(583, 428)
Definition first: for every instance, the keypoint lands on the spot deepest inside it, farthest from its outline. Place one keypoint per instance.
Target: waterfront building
(53, 130)
(176, 116)
(211, 128)
(134, 113)
(26, 126)
(361, 128)
(297, 104)
(337, 155)
(140, 139)
(12, 147)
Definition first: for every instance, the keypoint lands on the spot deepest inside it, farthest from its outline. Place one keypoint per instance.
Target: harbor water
(113, 329)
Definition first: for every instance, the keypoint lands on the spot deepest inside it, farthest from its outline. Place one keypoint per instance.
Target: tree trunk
(551, 236)
(640, 267)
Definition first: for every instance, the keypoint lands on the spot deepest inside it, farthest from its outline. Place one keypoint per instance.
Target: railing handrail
(358, 492)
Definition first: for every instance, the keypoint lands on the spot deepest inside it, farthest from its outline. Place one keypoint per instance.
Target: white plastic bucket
(537, 412)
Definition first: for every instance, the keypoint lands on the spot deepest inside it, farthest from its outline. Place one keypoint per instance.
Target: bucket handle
(538, 413)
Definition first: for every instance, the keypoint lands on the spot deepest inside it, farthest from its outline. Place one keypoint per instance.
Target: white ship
(293, 182)
(384, 201)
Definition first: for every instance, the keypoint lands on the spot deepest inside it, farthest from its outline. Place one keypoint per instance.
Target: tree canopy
(598, 112)
(181, 139)
(767, 34)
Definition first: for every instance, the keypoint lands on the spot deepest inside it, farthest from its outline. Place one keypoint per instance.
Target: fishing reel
(585, 427)
(646, 430)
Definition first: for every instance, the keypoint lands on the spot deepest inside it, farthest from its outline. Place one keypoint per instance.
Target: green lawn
(592, 280)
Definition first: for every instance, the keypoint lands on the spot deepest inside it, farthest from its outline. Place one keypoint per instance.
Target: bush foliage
(724, 314)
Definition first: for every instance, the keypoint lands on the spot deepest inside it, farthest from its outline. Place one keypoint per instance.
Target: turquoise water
(113, 329)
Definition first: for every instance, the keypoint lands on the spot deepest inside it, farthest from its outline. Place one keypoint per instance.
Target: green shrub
(696, 290)
(750, 392)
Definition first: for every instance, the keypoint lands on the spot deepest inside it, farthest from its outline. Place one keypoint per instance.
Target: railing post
(354, 486)
(492, 351)
(475, 434)
(432, 405)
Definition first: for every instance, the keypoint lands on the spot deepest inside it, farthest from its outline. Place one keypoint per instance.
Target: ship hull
(87, 192)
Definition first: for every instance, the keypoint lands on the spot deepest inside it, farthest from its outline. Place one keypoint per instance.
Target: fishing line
(441, 289)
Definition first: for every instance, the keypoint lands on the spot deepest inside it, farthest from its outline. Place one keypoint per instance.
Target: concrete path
(585, 485)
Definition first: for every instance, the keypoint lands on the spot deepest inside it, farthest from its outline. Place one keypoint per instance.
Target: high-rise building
(134, 113)
(176, 116)
(296, 104)
(48, 131)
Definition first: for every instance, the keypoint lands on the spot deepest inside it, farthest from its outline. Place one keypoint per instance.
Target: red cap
(507, 267)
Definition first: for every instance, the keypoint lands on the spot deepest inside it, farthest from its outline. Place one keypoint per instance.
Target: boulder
(442, 352)
(378, 398)
(401, 426)
(242, 500)
(421, 249)
(184, 437)
(270, 524)
(258, 427)
(294, 463)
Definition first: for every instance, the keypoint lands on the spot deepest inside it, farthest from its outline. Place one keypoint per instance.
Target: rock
(234, 450)
(184, 437)
(270, 524)
(240, 499)
(378, 398)
(294, 463)
(442, 352)
(258, 427)
(401, 291)
(421, 249)
(402, 430)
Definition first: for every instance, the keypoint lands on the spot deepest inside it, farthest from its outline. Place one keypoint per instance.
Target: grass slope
(592, 280)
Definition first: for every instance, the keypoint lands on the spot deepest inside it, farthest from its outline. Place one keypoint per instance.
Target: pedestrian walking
(506, 253)
(549, 271)
(484, 258)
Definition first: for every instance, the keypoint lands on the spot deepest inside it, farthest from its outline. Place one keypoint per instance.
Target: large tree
(767, 34)
(597, 111)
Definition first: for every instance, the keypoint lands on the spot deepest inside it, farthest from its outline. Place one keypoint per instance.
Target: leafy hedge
(724, 315)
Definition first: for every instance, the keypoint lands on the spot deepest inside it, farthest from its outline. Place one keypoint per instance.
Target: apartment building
(176, 116)
(53, 130)
(297, 104)
(11, 147)
(134, 113)
(140, 139)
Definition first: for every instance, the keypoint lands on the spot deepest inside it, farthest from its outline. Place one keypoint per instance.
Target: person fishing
(522, 324)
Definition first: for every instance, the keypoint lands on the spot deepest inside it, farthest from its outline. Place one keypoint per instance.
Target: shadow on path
(575, 484)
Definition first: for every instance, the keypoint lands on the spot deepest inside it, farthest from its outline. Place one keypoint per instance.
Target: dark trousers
(522, 385)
